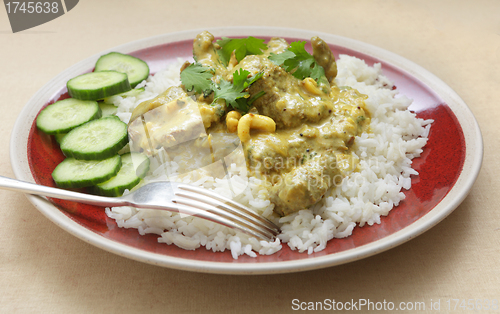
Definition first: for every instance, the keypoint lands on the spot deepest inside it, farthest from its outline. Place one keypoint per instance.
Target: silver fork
(170, 196)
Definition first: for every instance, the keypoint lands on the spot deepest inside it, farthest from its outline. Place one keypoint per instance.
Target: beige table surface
(44, 269)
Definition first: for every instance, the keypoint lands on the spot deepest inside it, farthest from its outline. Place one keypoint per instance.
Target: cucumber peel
(74, 173)
(136, 69)
(98, 85)
(134, 166)
(96, 139)
(64, 115)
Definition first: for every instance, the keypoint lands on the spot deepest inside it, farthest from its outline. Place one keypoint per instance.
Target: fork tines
(234, 214)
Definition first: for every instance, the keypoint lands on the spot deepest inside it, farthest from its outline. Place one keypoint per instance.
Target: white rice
(385, 155)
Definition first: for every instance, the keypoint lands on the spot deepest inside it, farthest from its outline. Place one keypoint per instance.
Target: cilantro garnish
(298, 62)
(234, 93)
(197, 77)
(241, 46)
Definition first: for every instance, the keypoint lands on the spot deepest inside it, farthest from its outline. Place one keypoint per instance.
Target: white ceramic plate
(442, 185)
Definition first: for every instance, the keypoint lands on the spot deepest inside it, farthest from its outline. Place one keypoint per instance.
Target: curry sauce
(297, 136)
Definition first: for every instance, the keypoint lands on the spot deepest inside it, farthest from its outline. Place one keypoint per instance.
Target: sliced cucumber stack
(74, 173)
(64, 115)
(89, 133)
(134, 167)
(136, 69)
(98, 85)
(96, 139)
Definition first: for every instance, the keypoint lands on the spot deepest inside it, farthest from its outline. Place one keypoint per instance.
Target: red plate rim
(407, 71)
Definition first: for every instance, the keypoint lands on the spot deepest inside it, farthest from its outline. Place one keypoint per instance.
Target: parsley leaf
(280, 58)
(241, 79)
(234, 94)
(227, 91)
(241, 46)
(318, 73)
(197, 77)
(298, 62)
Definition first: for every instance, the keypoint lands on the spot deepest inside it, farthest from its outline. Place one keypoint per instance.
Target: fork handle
(31, 188)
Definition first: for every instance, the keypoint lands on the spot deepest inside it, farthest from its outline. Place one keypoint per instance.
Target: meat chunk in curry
(298, 134)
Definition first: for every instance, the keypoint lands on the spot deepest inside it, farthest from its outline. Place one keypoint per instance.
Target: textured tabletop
(44, 269)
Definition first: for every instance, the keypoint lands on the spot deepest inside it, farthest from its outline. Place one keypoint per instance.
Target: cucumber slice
(136, 69)
(134, 166)
(74, 173)
(107, 109)
(59, 137)
(64, 115)
(98, 85)
(96, 139)
(133, 92)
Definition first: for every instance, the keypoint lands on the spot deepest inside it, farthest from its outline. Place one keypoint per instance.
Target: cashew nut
(311, 86)
(256, 122)
(232, 121)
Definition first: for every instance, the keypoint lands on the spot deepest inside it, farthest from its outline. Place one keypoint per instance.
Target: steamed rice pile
(385, 155)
